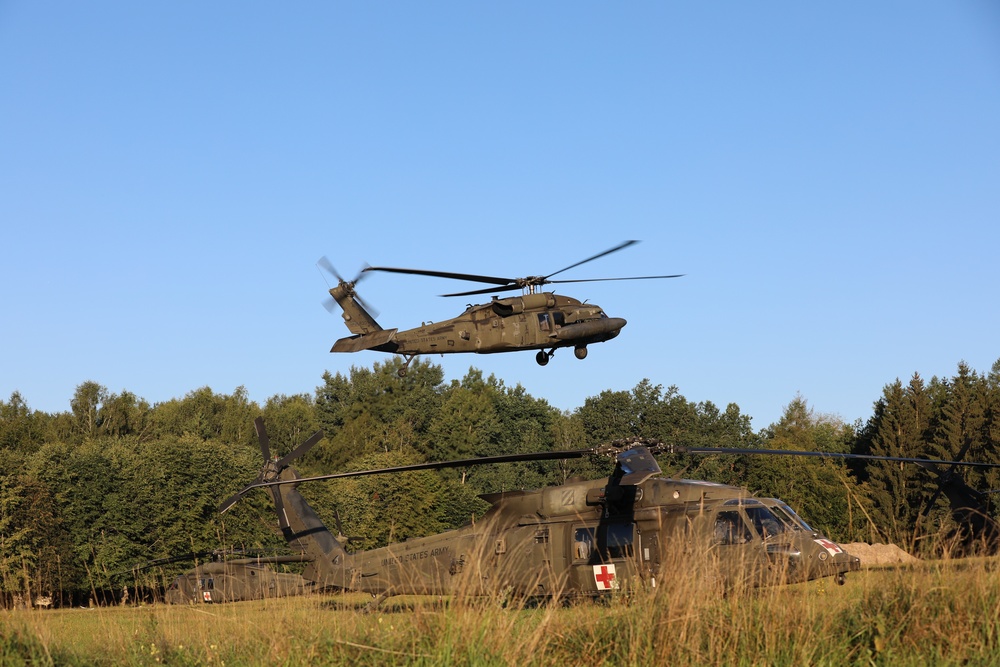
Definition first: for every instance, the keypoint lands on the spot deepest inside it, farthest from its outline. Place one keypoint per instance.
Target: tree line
(88, 494)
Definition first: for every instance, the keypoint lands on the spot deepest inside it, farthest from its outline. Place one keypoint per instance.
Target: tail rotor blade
(300, 450)
(229, 502)
(327, 266)
(265, 442)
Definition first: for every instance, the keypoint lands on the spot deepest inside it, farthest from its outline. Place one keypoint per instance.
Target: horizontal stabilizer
(365, 341)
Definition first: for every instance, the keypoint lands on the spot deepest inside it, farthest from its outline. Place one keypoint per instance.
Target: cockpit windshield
(791, 519)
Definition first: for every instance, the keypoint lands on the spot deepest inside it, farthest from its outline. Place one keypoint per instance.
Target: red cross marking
(603, 576)
(832, 547)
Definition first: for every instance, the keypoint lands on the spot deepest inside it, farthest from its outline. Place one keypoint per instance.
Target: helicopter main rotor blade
(926, 463)
(598, 280)
(485, 290)
(618, 247)
(438, 465)
(445, 274)
(510, 288)
(630, 454)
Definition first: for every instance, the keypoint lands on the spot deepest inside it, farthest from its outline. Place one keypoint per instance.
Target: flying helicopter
(582, 538)
(536, 320)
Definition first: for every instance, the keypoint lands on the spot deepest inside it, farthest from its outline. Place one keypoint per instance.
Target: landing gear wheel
(402, 371)
(580, 352)
(542, 357)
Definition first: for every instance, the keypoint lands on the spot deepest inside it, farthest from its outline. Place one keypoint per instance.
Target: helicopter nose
(607, 327)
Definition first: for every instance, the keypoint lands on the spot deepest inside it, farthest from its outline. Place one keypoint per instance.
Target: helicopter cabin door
(738, 552)
(603, 556)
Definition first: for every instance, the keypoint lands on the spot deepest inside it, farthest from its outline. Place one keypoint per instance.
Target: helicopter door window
(544, 322)
(731, 529)
(617, 540)
(559, 318)
(583, 543)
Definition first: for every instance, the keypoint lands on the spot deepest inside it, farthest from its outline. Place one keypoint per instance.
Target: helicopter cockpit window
(791, 522)
(764, 522)
(731, 529)
(797, 518)
(559, 318)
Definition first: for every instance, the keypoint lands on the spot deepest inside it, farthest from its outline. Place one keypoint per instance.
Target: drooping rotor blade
(618, 247)
(300, 450)
(438, 465)
(679, 449)
(946, 477)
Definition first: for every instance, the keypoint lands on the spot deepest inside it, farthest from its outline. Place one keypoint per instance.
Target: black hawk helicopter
(585, 538)
(542, 321)
(226, 576)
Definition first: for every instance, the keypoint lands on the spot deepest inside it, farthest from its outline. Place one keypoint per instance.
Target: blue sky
(826, 177)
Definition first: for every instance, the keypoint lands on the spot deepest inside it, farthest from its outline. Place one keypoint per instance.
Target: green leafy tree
(819, 489)
(21, 428)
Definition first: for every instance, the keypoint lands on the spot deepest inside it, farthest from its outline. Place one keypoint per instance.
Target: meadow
(937, 613)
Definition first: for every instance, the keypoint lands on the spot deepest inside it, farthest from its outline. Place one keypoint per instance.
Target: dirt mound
(875, 555)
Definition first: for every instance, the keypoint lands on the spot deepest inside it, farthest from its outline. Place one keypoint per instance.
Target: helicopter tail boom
(364, 341)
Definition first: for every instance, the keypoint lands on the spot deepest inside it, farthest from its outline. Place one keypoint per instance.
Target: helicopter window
(583, 543)
(559, 318)
(617, 540)
(787, 518)
(764, 522)
(731, 529)
(796, 517)
(544, 322)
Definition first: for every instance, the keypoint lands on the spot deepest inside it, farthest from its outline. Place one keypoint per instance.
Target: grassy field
(933, 614)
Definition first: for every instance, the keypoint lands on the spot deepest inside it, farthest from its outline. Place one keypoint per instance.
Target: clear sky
(826, 176)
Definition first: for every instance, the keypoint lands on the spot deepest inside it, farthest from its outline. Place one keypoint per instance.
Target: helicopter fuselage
(541, 321)
(232, 582)
(572, 540)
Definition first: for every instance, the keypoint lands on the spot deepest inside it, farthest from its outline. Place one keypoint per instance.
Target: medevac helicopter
(219, 577)
(238, 579)
(582, 538)
(542, 321)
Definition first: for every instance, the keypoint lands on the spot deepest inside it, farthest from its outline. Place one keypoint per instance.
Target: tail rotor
(345, 286)
(273, 467)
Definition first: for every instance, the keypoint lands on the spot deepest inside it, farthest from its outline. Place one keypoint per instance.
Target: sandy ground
(875, 555)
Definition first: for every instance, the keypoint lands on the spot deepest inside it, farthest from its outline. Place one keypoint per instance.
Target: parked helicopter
(542, 321)
(218, 577)
(237, 580)
(584, 538)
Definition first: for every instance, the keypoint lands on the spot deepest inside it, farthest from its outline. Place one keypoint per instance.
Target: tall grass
(942, 613)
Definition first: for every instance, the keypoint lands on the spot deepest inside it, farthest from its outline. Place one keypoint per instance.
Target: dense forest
(87, 494)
